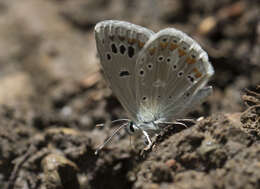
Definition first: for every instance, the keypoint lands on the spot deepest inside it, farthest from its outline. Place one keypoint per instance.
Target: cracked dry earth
(52, 95)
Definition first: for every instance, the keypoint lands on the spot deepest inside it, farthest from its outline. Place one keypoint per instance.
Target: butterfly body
(156, 77)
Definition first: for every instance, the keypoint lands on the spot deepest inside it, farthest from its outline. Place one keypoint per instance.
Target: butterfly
(157, 77)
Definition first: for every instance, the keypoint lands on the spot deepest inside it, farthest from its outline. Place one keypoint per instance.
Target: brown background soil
(52, 95)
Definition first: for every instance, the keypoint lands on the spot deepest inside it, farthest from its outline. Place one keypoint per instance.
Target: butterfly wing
(118, 44)
(171, 69)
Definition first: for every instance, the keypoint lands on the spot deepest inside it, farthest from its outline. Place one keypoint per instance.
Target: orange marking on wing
(197, 73)
(152, 51)
(140, 44)
(131, 41)
(190, 60)
(163, 45)
(173, 46)
(181, 52)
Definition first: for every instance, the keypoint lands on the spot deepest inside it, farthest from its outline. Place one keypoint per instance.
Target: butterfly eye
(131, 128)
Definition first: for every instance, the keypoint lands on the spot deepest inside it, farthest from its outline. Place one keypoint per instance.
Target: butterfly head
(131, 128)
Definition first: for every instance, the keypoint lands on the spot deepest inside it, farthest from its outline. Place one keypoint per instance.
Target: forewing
(118, 44)
(171, 69)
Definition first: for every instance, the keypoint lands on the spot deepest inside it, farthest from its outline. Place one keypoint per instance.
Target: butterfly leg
(180, 123)
(149, 145)
(192, 121)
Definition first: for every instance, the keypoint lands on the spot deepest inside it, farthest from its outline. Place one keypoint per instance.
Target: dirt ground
(52, 95)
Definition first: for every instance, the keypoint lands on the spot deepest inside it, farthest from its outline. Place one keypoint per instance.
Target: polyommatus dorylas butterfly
(156, 77)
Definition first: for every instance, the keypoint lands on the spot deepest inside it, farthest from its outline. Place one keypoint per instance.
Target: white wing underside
(174, 69)
(163, 78)
(119, 44)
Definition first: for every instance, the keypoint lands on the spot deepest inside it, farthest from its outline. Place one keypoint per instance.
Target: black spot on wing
(122, 49)
(131, 51)
(124, 73)
(114, 48)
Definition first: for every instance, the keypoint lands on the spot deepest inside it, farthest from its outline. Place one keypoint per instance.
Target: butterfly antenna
(175, 123)
(112, 122)
(187, 121)
(180, 123)
(109, 138)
